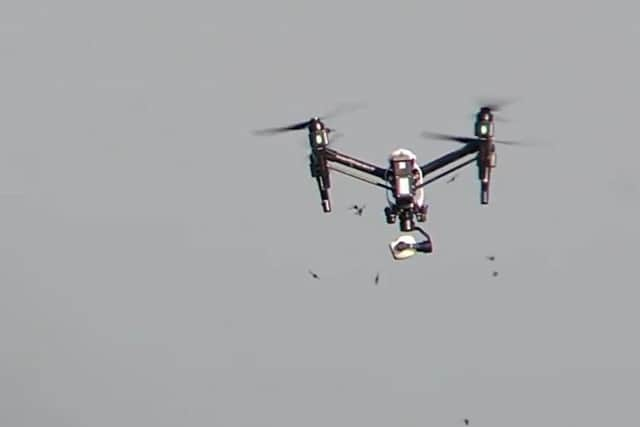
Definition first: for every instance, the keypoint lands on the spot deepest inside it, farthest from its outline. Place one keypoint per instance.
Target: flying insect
(403, 178)
(357, 210)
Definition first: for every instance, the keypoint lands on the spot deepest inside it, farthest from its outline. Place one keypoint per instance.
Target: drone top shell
(402, 153)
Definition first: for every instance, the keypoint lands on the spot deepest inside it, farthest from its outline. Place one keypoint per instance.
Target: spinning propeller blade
(470, 140)
(272, 131)
(518, 143)
(342, 109)
(495, 104)
(461, 139)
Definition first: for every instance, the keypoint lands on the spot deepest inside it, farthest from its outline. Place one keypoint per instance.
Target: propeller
(495, 105)
(469, 140)
(461, 139)
(340, 110)
(273, 131)
(344, 109)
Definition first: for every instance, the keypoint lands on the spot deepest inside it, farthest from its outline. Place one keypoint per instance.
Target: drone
(404, 179)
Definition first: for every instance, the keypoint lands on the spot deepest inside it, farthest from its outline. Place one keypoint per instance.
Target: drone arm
(353, 175)
(368, 168)
(449, 158)
(443, 174)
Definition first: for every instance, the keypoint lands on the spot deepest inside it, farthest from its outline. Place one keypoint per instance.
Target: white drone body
(400, 156)
(408, 192)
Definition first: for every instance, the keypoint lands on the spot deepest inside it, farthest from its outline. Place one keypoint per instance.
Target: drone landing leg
(326, 203)
(484, 197)
(484, 186)
(324, 195)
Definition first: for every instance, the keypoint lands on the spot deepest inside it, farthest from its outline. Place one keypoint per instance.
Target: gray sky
(154, 254)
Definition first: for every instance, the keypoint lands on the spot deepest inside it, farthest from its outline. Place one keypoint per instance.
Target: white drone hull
(419, 197)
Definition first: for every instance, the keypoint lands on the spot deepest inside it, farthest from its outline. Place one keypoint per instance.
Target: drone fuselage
(406, 197)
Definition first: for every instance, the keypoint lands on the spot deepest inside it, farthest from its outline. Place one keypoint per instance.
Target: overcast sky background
(154, 253)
